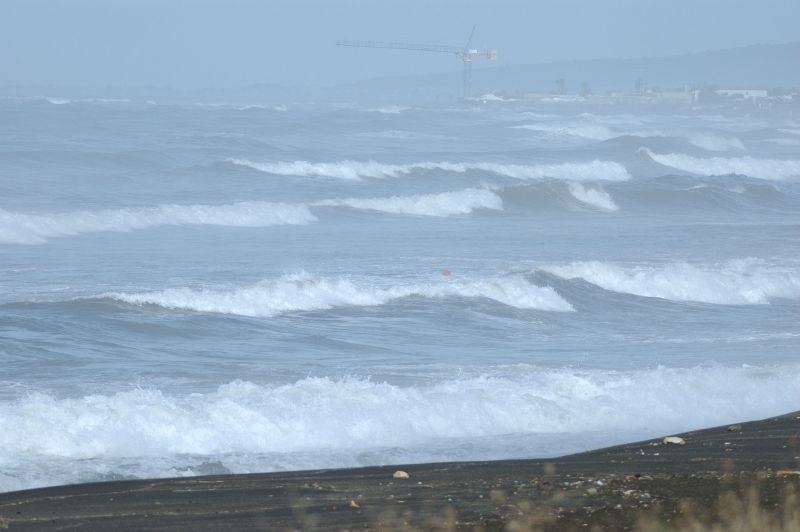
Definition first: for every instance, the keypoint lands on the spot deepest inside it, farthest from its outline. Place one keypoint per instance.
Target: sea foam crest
(599, 132)
(596, 170)
(18, 228)
(323, 422)
(737, 282)
(713, 142)
(580, 130)
(442, 204)
(770, 169)
(596, 197)
(304, 292)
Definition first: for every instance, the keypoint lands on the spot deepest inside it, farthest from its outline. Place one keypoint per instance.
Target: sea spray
(736, 282)
(323, 422)
(769, 169)
(596, 170)
(304, 292)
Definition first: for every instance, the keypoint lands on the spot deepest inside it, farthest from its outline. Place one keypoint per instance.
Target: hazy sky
(220, 43)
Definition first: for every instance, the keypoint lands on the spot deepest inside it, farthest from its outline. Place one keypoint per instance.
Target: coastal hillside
(768, 66)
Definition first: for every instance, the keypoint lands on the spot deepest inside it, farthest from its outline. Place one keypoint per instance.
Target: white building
(747, 94)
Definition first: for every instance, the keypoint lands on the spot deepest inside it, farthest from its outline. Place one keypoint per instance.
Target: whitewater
(196, 288)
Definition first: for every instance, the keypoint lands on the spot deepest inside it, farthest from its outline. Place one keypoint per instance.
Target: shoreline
(610, 488)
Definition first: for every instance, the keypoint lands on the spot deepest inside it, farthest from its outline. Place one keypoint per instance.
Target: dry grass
(755, 508)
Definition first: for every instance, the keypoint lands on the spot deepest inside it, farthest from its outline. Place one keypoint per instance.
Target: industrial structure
(466, 54)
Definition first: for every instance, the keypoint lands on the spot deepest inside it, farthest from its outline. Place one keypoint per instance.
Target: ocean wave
(304, 292)
(584, 131)
(390, 109)
(324, 422)
(736, 282)
(769, 169)
(713, 142)
(596, 197)
(596, 170)
(442, 204)
(18, 228)
(599, 132)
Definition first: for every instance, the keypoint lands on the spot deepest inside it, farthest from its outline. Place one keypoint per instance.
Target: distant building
(747, 94)
(678, 97)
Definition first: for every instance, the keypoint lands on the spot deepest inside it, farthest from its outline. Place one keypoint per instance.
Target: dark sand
(605, 489)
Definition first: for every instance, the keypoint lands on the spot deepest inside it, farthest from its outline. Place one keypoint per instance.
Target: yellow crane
(466, 54)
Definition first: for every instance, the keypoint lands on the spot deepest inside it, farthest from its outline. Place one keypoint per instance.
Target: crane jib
(466, 54)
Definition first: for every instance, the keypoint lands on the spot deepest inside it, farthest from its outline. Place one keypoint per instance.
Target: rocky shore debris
(676, 440)
(735, 428)
(400, 474)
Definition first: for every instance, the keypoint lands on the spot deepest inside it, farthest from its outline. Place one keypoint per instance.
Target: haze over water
(207, 288)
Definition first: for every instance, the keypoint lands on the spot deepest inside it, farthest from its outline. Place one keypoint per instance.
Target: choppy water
(190, 289)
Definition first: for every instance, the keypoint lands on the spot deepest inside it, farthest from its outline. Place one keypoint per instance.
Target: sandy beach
(617, 488)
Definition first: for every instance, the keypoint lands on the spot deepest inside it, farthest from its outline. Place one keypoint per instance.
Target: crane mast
(466, 54)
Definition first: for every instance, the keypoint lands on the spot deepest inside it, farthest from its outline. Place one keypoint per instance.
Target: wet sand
(609, 489)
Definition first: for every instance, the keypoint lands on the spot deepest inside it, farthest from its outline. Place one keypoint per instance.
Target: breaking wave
(737, 282)
(712, 142)
(770, 169)
(324, 422)
(354, 170)
(17, 228)
(303, 292)
(591, 131)
(443, 204)
(584, 131)
(596, 197)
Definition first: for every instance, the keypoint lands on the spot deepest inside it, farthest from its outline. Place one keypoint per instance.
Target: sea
(204, 287)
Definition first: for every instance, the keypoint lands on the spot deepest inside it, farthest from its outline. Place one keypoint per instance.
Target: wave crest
(304, 292)
(17, 228)
(596, 197)
(738, 282)
(323, 422)
(596, 170)
(442, 204)
(769, 169)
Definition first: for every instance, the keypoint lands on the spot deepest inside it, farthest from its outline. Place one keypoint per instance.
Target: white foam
(18, 228)
(322, 422)
(596, 197)
(491, 97)
(600, 132)
(443, 204)
(304, 292)
(584, 131)
(353, 170)
(391, 110)
(58, 101)
(736, 282)
(712, 142)
(770, 169)
(785, 142)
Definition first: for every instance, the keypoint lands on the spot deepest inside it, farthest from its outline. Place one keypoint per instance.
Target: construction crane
(466, 54)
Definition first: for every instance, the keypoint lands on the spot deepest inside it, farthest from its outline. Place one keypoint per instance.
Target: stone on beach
(677, 440)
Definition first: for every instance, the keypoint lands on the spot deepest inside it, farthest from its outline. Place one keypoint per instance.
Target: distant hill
(767, 66)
